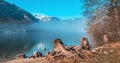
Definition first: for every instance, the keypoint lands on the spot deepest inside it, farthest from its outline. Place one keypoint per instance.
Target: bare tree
(103, 18)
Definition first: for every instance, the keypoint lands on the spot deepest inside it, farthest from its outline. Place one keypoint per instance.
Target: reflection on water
(28, 42)
(45, 40)
(14, 43)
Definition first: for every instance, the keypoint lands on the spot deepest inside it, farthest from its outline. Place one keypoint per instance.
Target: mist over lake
(26, 39)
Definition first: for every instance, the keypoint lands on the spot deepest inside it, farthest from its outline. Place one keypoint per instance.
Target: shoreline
(98, 52)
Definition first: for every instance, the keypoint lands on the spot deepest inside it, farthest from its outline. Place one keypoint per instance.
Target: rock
(111, 51)
(101, 49)
(100, 52)
(97, 50)
(37, 54)
(105, 52)
(31, 56)
(18, 56)
(94, 51)
(44, 48)
(83, 56)
(107, 45)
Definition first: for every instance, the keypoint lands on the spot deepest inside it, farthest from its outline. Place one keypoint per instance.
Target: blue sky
(60, 8)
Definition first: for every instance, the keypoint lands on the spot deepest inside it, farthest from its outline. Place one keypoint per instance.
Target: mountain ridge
(45, 18)
(11, 12)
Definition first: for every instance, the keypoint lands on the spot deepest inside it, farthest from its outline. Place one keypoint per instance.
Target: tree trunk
(116, 16)
(59, 47)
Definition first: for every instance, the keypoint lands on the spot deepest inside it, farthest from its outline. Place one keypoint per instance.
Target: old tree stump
(84, 44)
(60, 51)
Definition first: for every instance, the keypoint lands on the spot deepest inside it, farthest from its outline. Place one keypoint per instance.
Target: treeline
(103, 19)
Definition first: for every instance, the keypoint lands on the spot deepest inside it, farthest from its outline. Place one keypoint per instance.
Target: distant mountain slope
(10, 12)
(46, 18)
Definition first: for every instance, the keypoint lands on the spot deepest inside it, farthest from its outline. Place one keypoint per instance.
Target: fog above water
(59, 26)
(69, 26)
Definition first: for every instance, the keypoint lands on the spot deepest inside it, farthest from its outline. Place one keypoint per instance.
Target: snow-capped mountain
(45, 18)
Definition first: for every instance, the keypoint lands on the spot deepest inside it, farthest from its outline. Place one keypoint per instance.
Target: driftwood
(60, 51)
(84, 44)
(59, 47)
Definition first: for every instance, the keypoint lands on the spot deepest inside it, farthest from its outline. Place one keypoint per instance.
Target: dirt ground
(27, 60)
(113, 57)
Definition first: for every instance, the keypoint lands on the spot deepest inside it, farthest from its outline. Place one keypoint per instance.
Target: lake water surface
(28, 42)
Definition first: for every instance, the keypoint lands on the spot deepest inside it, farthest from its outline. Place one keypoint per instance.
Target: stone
(105, 52)
(97, 50)
(44, 48)
(18, 56)
(111, 51)
(37, 54)
(94, 51)
(31, 56)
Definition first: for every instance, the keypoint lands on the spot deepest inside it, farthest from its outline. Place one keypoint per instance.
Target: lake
(28, 42)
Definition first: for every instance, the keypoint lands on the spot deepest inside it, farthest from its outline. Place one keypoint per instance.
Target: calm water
(45, 40)
(28, 42)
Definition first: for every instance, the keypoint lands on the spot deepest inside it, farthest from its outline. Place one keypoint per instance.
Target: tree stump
(59, 51)
(59, 47)
(84, 44)
(106, 40)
